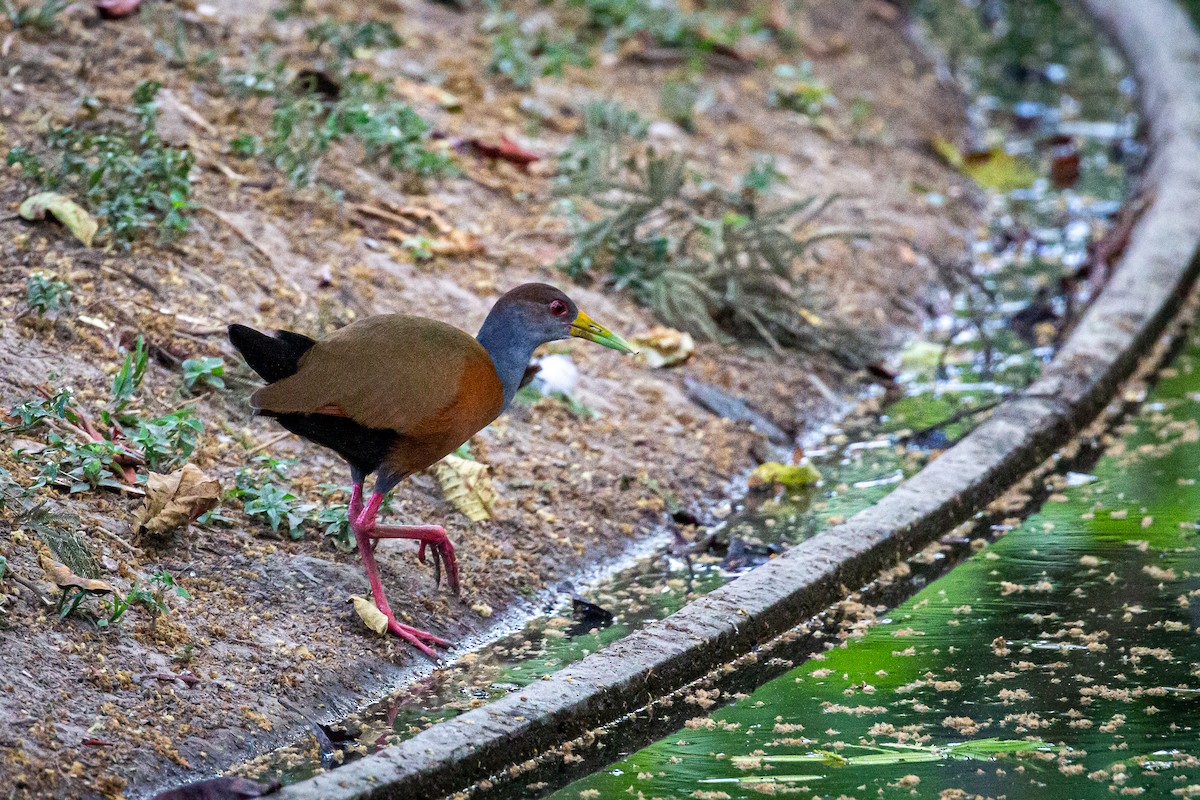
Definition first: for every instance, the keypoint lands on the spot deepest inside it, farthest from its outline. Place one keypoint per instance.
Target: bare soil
(267, 629)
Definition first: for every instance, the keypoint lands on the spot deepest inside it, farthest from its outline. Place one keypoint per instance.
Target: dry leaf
(427, 93)
(65, 210)
(664, 347)
(505, 150)
(370, 614)
(457, 243)
(789, 475)
(172, 501)
(467, 486)
(65, 579)
(995, 169)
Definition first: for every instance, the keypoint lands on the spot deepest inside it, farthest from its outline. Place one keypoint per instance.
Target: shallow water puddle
(1078, 634)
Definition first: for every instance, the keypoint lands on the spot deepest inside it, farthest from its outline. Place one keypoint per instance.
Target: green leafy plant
(262, 498)
(794, 88)
(41, 16)
(81, 466)
(723, 265)
(168, 441)
(204, 372)
(343, 41)
(123, 173)
(44, 293)
(153, 598)
(522, 56)
(245, 145)
(303, 126)
(665, 24)
(32, 412)
(85, 459)
(128, 377)
(608, 129)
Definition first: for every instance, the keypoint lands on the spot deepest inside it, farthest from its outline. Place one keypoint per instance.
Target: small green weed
(265, 77)
(264, 494)
(665, 24)
(153, 598)
(345, 40)
(206, 372)
(44, 293)
(303, 126)
(32, 412)
(168, 441)
(76, 458)
(80, 466)
(245, 145)
(522, 56)
(794, 88)
(264, 499)
(128, 377)
(608, 130)
(40, 16)
(124, 173)
(720, 264)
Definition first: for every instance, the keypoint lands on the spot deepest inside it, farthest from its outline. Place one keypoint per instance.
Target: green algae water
(1062, 661)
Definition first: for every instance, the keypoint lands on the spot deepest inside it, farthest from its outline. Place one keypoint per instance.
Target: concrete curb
(1156, 272)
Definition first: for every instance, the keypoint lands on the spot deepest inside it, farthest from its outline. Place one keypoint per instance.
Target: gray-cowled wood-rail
(393, 394)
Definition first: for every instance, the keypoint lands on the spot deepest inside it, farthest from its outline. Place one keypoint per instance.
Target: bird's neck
(510, 353)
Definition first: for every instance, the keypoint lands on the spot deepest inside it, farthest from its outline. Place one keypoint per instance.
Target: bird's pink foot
(416, 637)
(432, 535)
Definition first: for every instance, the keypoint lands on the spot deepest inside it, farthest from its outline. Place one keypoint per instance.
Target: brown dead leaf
(467, 486)
(506, 150)
(457, 243)
(412, 90)
(64, 578)
(172, 501)
(370, 614)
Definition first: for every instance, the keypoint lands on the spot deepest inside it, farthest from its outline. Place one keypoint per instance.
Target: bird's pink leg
(435, 535)
(363, 527)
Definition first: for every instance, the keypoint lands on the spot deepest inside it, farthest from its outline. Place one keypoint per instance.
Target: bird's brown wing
(412, 375)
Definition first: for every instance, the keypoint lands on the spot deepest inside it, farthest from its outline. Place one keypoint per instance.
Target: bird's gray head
(531, 315)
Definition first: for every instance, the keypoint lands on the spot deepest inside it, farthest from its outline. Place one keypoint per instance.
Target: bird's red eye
(558, 308)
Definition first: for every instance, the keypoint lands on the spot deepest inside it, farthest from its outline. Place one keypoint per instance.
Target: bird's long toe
(417, 637)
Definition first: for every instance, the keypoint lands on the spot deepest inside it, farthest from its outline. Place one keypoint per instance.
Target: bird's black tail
(273, 357)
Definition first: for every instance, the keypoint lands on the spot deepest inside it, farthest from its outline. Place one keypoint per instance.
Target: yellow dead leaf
(664, 347)
(467, 486)
(370, 614)
(65, 579)
(790, 475)
(172, 501)
(457, 243)
(995, 169)
(65, 210)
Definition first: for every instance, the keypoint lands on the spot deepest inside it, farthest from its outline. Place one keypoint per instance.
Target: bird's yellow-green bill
(585, 327)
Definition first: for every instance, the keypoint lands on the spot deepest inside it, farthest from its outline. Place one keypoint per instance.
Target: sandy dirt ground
(266, 636)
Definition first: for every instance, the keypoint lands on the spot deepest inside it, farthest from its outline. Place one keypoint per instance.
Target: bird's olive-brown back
(430, 382)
